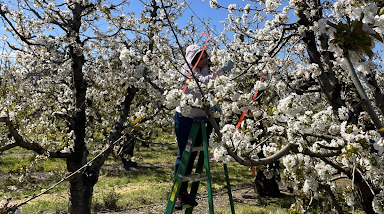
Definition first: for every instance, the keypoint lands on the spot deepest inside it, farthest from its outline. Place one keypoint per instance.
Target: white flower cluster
(343, 113)
(218, 150)
(127, 55)
(260, 85)
(379, 146)
(187, 102)
(231, 7)
(248, 57)
(349, 196)
(213, 4)
(290, 105)
(6, 203)
(172, 98)
(378, 202)
(271, 5)
(247, 9)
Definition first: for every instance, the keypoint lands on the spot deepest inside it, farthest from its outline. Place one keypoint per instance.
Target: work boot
(179, 202)
(184, 199)
(187, 199)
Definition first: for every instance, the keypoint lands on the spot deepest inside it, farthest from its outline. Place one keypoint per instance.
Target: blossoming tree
(318, 109)
(66, 94)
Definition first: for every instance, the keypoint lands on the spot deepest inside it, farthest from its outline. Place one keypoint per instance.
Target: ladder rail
(203, 159)
(182, 167)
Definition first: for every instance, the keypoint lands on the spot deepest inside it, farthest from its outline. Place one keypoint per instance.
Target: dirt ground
(244, 195)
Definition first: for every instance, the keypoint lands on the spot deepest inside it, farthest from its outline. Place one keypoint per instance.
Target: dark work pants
(182, 128)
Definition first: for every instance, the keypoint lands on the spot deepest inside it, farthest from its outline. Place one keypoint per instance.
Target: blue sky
(201, 8)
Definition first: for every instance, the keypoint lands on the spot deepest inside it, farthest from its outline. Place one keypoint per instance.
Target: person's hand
(216, 113)
(216, 109)
(228, 66)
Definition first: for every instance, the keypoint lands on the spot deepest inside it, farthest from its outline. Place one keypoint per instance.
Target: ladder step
(197, 149)
(193, 177)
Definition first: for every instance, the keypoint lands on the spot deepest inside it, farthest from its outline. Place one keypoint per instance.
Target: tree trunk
(81, 185)
(264, 186)
(80, 191)
(366, 193)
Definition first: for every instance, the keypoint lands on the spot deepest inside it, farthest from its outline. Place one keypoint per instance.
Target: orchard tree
(66, 93)
(319, 107)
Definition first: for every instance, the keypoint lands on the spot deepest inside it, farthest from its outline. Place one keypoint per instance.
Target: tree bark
(366, 194)
(327, 79)
(328, 190)
(372, 83)
(80, 194)
(263, 185)
(363, 95)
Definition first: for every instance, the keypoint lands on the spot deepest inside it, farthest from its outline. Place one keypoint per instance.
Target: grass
(254, 209)
(149, 183)
(56, 206)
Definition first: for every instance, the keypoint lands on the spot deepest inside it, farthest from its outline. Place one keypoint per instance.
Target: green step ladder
(196, 178)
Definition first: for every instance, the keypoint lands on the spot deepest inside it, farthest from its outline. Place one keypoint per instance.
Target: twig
(333, 198)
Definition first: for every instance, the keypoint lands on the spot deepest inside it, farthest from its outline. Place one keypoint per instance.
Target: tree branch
(7, 147)
(117, 129)
(363, 95)
(150, 81)
(19, 141)
(379, 97)
(333, 198)
(23, 38)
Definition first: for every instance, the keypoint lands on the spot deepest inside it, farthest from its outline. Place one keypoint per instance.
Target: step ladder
(196, 177)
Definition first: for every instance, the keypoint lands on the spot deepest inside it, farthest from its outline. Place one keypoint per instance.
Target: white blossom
(343, 113)
(213, 4)
(231, 7)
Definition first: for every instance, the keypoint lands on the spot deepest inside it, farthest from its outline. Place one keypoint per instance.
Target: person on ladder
(183, 122)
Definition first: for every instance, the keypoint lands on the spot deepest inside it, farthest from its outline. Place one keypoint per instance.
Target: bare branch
(338, 178)
(7, 147)
(328, 190)
(363, 95)
(375, 88)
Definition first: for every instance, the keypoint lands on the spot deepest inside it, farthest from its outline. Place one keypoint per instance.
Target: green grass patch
(164, 136)
(57, 206)
(241, 209)
(14, 162)
(148, 183)
(166, 154)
